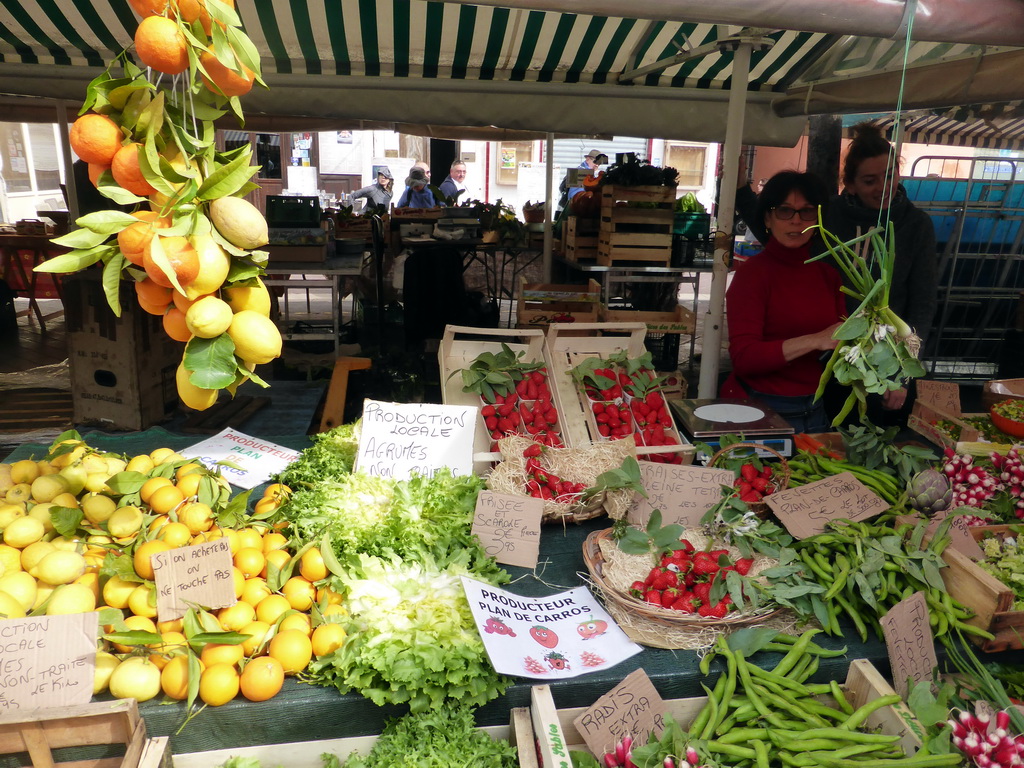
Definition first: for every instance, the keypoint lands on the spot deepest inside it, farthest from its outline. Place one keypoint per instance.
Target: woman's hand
(821, 341)
(894, 399)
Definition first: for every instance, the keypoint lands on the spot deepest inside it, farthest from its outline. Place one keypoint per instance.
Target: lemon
(71, 598)
(9, 513)
(125, 521)
(117, 591)
(142, 601)
(33, 553)
(97, 508)
(24, 471)
(208, 317)
(19, 493)
(10, 608)
(21, 586)
(23, 531)
(106, 663)
(60, 567)
(135, 678)
(256, 338)
(41, 512)
(214, 263)
(255, 298)
(11, 558)
(74, 475)
(194, 397)
(239, 221)
(46, 488)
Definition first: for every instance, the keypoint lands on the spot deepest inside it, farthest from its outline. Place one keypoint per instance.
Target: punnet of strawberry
(756, 477)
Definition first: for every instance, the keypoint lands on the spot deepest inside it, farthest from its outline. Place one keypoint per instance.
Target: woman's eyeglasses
(786, 213)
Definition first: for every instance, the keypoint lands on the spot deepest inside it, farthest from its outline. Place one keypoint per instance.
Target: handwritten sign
(509, 527)
(806, 510)
(196, 575)
(399, 439)
(47, 661)
(941, 394)
(559, 636)
(632, 708)
(959, 535)
(682, 493)
(255, 460)
(908, 638)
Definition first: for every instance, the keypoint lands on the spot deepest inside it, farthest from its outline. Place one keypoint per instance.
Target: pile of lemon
(74, 544)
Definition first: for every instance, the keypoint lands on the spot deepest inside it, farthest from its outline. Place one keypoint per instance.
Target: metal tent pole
(549, 191)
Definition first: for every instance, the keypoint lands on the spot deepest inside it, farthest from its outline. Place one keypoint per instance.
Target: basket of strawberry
(756, 477)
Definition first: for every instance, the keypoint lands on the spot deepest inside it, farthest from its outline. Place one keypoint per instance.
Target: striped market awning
(989, 126)
(352, 63)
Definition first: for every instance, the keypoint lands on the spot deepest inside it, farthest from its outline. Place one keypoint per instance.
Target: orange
(274, 540)
(293, 649)
(132, 240)
(326, 595)
(272, 607)
(171, 644)
(277, 558)
(182, 302)
(225, 80)
(299, 592)
(138, 623)
(311, 566)
(249, 561)
(257, 631)
(250, 537)
(163, 500)
(219, 684)
(237, 582)
(172, 625)
(327, 638)
(255, 590)
(299, 621)
(265, 505)
(95, 139)
(180, 255)
(126, 171)
(221, 653)
(148, 7)
(142, 562)
(174, 326)
(150, 486)
(262, 678)
(95, 171)
(152, 309)
(234, 617)
(189, 468)
(204, 15)
(197, 516)
(174, 677)
(189, 484)
(175, 534)
(161, 45)
(153, 294)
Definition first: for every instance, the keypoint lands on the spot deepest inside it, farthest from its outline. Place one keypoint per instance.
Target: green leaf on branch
(212, 361)
(227, 179)
(83, 238)
(853, 328)
(105, 223)
(112, 281)
(70, 262)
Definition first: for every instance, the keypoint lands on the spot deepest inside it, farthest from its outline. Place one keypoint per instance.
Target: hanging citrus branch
(877, 350)
(190, 245)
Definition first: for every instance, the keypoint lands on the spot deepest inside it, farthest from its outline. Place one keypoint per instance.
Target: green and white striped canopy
(351, 63)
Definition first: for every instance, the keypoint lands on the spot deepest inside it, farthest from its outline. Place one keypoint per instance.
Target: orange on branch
(126, 170)
(174, 325)
(95, 138)
(96, 170)
(133, 239)
(223, 79)
(180, 254)
(161, 45)
(148, 7)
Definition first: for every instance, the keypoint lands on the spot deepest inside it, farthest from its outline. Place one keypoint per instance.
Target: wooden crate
(579, 238)
(38, 732)
(920, 420)
(989, 599)
(540, 304)
(567, 346)
(555, 726)
(680, 320)
(635, 234)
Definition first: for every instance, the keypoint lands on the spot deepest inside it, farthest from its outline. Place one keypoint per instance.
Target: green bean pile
(807, 467)
(757, 718)
(867, 568)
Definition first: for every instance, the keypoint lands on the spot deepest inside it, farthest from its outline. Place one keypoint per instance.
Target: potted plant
(498, 222)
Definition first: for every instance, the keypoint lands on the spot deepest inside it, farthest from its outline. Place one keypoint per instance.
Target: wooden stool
(337, 390)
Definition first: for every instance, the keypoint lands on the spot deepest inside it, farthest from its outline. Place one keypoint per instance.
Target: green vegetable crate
(554, 729)
(42, 734)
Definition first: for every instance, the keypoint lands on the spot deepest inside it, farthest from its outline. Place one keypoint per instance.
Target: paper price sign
(940, 394)
(509, 527)
(805, 511)
(47, 661)
(682, 493)
(960, 537)
(908, 638)
(196, 575)
(399, 439)
(632, 708)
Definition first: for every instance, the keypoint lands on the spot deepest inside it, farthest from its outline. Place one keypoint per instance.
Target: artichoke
(929, 492)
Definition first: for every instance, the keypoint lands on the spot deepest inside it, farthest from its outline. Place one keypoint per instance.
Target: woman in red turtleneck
(781, 311)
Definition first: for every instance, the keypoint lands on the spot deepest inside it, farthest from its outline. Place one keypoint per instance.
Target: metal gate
(977, 207)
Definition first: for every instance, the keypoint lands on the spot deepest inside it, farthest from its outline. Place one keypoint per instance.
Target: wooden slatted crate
(631, 234)
(579, 237)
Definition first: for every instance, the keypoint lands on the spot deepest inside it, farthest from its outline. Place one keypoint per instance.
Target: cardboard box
(295, 254)
(122, 368)
(552, 725)
(114, 723)
(541, 304)
(680, 320)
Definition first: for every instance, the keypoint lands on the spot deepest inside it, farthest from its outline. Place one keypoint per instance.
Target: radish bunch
(984, 746)
(976, 486)
(1011, 475)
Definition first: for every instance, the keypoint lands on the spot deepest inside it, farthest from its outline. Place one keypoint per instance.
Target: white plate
(723, 413)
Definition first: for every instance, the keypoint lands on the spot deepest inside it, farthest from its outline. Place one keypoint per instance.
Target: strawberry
(653, 597)
(654, 401)
(637, 589)
(702, 591)
(532, 450)
(685, 603)
(491, 422)
(521, 387)
(669, 596)
(487, 410)
(531, 389)
(750, 497)
(766, 472)
(743, 565)
(537, 377)
(597, 408)
(716, 611)
(551, 415)
(504, 425)
(759, 484)
(604, 430)
(687, 546)
(748, 472)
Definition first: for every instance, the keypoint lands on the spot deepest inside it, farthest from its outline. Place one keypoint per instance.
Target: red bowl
(1010, 427)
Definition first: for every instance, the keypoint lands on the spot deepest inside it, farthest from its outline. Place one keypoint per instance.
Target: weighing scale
(707, 420)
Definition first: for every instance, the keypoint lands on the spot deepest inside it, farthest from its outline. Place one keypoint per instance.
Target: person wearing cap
(416, 194)
(380, 192)
(591, 161)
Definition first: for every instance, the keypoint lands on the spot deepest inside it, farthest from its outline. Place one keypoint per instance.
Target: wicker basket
(779, 481)
(658, 617)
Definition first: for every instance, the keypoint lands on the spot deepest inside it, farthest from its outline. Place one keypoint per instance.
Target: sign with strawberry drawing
(558, 636)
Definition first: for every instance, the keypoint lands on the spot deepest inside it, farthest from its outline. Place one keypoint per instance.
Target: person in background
(379, 193)
(416, 194)
(425, 167)
(781, 311)
(456, 180)
(591, 161)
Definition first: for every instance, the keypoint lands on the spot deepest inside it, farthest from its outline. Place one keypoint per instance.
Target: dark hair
(867, 142)
(778, 187)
